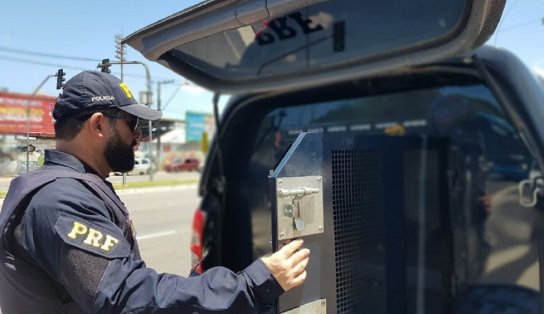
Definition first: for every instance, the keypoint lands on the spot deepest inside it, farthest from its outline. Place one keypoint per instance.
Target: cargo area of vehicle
(423, 206)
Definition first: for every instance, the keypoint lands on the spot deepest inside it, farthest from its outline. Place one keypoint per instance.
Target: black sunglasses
(132, 121)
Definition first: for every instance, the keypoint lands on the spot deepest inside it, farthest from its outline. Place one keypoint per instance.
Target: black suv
(406, 156)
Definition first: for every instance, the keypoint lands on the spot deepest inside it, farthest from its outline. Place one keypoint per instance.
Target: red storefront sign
(21, 113)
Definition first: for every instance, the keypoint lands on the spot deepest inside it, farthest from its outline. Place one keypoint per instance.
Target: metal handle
(302, 191)
(531, 184)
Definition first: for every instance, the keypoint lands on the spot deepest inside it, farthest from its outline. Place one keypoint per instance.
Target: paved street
(512, 232)
(162, 218)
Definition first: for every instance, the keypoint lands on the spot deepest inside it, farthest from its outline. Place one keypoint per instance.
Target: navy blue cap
(92, 89)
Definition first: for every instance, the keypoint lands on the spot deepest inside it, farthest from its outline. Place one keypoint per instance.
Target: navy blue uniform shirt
(68, 232)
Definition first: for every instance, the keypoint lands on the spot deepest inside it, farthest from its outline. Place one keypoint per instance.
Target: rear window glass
(335, 33)
(436, 111)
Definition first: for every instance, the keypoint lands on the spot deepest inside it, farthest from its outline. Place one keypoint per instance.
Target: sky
(38, 37)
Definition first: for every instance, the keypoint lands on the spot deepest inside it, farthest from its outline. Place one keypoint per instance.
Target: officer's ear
(98, 124)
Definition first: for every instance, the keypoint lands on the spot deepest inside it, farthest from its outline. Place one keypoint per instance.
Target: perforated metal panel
(359, 232)
(386, 244)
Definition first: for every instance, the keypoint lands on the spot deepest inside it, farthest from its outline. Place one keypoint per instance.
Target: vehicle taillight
(196, 240)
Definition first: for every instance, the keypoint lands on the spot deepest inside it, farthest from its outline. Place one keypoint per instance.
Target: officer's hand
(288, 265)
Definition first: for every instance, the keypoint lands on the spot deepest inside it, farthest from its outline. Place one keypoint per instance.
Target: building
(26, 130)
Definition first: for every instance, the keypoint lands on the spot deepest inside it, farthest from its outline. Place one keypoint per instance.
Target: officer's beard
(118, 154)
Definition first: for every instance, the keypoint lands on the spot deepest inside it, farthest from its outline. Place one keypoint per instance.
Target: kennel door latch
(300, 206)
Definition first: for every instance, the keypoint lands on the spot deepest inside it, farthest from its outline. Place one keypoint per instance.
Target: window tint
(330, 33)
(441, 111)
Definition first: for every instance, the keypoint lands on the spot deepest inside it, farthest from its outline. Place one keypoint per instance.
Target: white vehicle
(141, 166)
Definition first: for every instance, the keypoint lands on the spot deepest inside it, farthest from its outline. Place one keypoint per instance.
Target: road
(162, 218)
(512, 233)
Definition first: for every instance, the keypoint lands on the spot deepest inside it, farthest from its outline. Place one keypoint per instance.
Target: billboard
(21, 113)
(196, 123)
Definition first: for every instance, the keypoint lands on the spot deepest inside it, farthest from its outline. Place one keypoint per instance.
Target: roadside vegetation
(154, 183)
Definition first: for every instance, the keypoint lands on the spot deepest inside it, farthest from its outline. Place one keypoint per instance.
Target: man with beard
(66, 241)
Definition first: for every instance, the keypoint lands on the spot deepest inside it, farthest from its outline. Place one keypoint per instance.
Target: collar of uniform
(58, 158)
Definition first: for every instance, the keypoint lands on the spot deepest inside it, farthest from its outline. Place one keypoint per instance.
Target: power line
(522, 24)
(48, 55)
(56, 65)
(185, 83)
(171, 97)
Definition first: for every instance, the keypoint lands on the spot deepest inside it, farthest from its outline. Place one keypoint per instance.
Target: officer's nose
(137, 134)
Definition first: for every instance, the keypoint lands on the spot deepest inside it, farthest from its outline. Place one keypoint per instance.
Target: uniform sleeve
(70, 236)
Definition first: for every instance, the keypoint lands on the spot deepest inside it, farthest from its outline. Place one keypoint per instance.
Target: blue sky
(86, 29)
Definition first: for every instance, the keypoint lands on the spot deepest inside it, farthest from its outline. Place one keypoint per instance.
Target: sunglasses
(132, 121)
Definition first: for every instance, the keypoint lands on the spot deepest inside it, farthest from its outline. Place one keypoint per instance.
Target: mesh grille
(359, 232)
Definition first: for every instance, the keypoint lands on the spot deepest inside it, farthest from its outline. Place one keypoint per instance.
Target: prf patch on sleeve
(92, 237)
(127, 91)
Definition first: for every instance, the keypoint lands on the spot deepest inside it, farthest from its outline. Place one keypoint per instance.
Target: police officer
(67, 245)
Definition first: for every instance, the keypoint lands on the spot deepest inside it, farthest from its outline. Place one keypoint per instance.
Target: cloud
(193, 89)
(539, 71)
(538, 67)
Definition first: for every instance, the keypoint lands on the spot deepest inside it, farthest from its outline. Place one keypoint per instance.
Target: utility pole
(120, 52)
(105, 68)
(159, 83)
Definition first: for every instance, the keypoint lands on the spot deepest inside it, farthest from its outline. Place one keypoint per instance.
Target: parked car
(367, 128)
(188, 164)
(142, 166)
